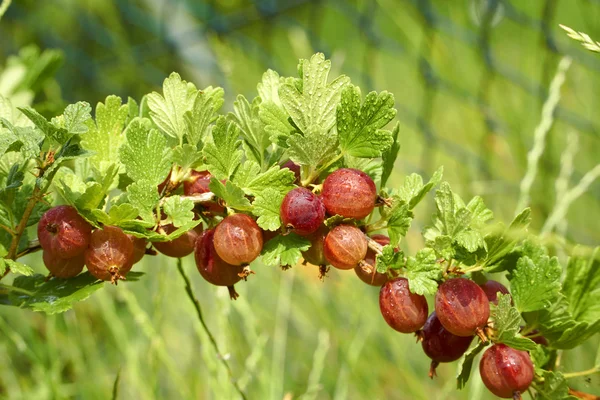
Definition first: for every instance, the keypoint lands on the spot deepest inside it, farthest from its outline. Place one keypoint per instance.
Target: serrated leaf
(144, 196)
(507, 324)
(168, 110)
(223, 156)
(245, 115)
(202, 114)
(55, 295)
(390, 258)
(311, 148)
(117, 215)
(187, 156)
(423, 272)
(253, 182)
(413, 190)
(466, 363)
(15, 267)
(359, 126)
(501, 242)
(266, 207)
(314, 105)
(554, 387)
(398, 222)
(284, 250)
(534, 285)
(60, 135)
(471, 240)
(145, 153)
(106, 134)
(389, 156)
(178, 210)
(76, 117)
(581, 285)
(275, 120)
(232, 195)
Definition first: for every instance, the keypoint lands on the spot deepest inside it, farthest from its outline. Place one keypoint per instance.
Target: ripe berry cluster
(461, 312)
(224, 250)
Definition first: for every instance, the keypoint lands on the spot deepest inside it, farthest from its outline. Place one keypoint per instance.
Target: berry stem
(373, 245)
(196, 303)
(34, 245)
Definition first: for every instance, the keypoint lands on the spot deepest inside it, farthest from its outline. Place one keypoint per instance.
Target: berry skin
(180, 247)
(295, 168)
(303, 211)
(198, 183)
(491, 289)
(238, 239)
(139, 248)
(376, 279)
(350, 193)
(315, 254)
(404, 311)
(63, 267)
(462, 307)
(109, 256)
(506, 372)
(212, 268)
(345, 246)
(64, 232)
(440, 345)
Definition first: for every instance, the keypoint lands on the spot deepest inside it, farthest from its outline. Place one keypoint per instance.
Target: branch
(194, 300)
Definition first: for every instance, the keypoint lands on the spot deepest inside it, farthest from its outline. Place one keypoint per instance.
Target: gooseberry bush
(298, 175)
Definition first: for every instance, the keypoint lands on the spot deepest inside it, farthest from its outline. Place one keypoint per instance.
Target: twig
(194, 300)
(34, 245)
(373, 245)
(583, 395)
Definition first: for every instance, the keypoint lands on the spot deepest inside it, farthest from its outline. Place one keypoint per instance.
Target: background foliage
(470, 79)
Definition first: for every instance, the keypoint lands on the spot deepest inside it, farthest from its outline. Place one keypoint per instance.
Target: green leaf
(276, 123)
(178, 210)
(581, 285)
(389, 258)
(245, 115)
(266, 207)
(480, 214)
(466, 363)
(144, 196)
(389, 156)
(399, 219)
(501, 242)
(359, 126)
(554, 387)
(558, 325)
(187, 156)
(15, 267)
(413, 190)
(26, 140)
(223, 156)
(202, 114)
(106, 134)
(313, 147)
(75, 118)
(471, 240)
(118, 215)
(535, 283)
(507, 324)
(55, 295)
(231, 194)
(145, 153)
(168, 112)
(284, 250)
(314, 104)
(58, 134)
(253, 182)
(423, 271)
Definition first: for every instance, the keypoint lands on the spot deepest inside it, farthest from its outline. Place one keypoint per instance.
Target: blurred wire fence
(470, 76)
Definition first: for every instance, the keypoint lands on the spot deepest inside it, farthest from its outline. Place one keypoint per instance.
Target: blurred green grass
(289, 333)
